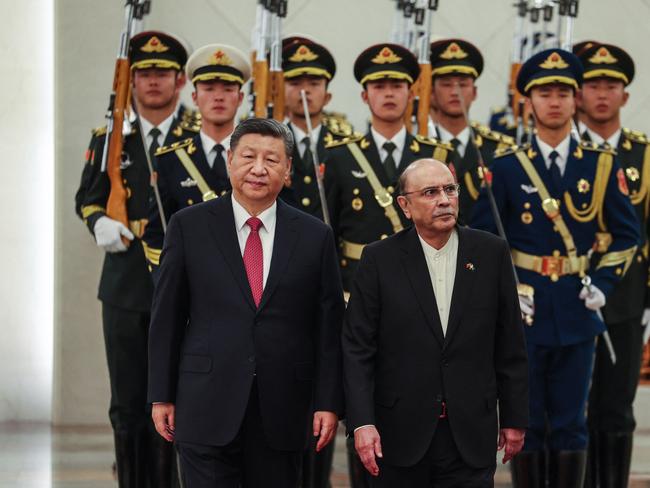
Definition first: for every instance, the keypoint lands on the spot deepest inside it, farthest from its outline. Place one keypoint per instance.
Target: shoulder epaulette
(493, 135)
(338, 125)
(432, 141)
(505, 151)
(174, 146)
(354, 137)
(99, 131)
(592, 146)
(636, 136)
(190, 114)
(497, 109)
(191, 125)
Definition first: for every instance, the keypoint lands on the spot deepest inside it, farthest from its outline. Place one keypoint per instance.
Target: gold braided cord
(88, 210)
(603, 171)
(471, 188)
(615, 258)
(152, 254)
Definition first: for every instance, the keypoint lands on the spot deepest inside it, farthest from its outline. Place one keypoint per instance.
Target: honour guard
(455, 66)
(608, 70)
(361, 171)
(559, 199)
(125, 289)
(308, 66)
(195, 170)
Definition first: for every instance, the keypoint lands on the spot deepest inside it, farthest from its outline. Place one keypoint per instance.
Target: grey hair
(264, 127)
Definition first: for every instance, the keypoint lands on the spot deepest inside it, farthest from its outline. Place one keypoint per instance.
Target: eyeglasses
(434, 192)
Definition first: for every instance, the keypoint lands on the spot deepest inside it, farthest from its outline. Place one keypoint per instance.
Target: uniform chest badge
(188, 183)
(622, 182)
(178, 131)
(358, 174)
(529, 189)
(583, 186)
(632, 173)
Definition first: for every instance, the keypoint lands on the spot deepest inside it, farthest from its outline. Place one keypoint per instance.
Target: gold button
(355, 191)
(344, 263)
(584, 205)
(190, 201)
(384, 236)
(305, 202)
(307, 179)
(124, 180)
(527, 205)
(527, 217)
(639, 259)
(390, 189)
(619, 271)
(223, 192)
(357, 204)
(150, 268)
(556, 253)
(554, 277)
(128, 192)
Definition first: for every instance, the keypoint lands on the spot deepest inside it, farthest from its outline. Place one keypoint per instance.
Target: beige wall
(87, 36)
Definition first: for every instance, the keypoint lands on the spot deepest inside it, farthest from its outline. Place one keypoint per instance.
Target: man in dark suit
(244, 345)
(432, 342)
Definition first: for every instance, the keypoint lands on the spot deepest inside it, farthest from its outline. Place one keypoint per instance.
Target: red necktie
(254, 259)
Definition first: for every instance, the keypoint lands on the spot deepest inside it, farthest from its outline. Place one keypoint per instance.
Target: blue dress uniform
(143, 458)
(590, 209)
(613, 387)
(184, 175)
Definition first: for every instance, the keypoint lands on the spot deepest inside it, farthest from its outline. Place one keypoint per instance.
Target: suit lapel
(284, 242)
(418, 274)
(224, 233)
(463, 283)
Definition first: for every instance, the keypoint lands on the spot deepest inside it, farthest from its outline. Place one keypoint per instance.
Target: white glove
(594, 300)
(527, 305)
(645, 322)
(108, 234)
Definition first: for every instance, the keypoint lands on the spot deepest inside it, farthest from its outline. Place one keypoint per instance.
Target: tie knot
(455, 142)
(306, 141)
(389, 147)
(254, 223)
(218, 148)
(553, 156)
(155, 132)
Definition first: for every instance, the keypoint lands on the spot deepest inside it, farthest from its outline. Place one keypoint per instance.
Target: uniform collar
(208, 142)
(163, 127)
(398, 139)
(562, 149)
(613, 140)
(299, 134)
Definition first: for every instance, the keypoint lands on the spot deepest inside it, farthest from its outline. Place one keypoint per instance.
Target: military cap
(155, 49)
(578, 47)
(296, 39)
(455, 56)
(307, 58)
(548, 67)
(606, 60)
(383, 61)
(218, 62)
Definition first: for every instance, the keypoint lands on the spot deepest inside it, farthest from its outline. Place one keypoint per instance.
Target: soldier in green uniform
(308, 66)
(608, 71)
(455, 66)
(361, 171)
(194, 170)
(125, 288)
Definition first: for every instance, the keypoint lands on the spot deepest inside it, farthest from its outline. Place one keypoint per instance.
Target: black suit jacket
(398, 366)
(208, 340)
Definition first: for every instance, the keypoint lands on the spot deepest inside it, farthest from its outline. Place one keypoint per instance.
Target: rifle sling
(190, 167)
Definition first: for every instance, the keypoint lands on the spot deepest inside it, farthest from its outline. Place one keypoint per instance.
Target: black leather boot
(130, 457)
(567, 469)
(528, 469)
(615, 453)
(355, 467)
(591, 473)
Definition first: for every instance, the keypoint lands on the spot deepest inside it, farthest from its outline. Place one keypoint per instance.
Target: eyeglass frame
(439, 191)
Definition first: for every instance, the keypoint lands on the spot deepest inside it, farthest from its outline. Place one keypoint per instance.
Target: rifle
(134, 10)
(515, 100)
(423, 86)
(261, 65)
(276, 89)
(568, 10)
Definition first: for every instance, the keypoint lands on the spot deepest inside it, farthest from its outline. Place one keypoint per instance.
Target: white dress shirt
(612, 140)
(267, 231)
(463, 136)
(163, 127)
(208, 144)
(562, 149)
(299, 135)
(441, 264)
(398, 139)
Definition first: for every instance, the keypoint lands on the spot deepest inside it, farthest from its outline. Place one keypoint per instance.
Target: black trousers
(441, 467)
(613, 387)
(247, 462)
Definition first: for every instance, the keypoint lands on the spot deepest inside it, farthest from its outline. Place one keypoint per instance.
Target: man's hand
(593, 297)
(325, 425)
(368, 445)
(163, 418)
(109, 233)
(527, 305)
(512, 440)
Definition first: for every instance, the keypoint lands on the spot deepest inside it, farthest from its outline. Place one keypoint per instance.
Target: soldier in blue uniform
(194, 170)
(455, 66)
(125, 288)
(559, 200)
(608, 70)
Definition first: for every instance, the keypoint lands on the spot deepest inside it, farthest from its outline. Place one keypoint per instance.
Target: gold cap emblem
(303, 53)
(220, 58)
(603, 56)
(453, 51)
(154, 45)
(554, 61)
(385, 56)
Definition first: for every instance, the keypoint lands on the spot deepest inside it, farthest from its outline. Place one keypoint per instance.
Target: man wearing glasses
(432, 342)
